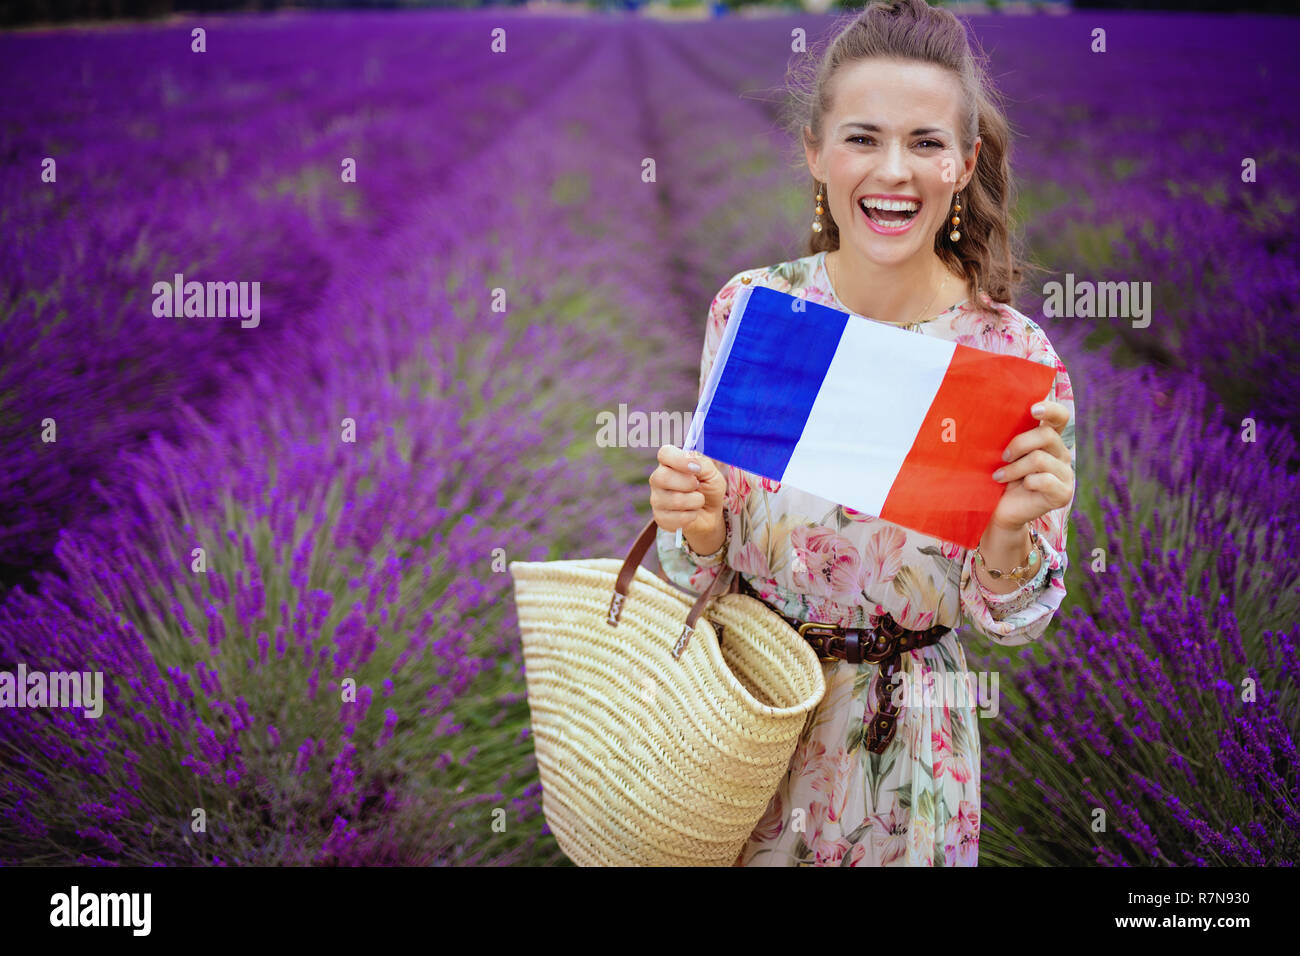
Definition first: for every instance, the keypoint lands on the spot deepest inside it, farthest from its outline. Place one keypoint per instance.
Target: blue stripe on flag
(773, 372)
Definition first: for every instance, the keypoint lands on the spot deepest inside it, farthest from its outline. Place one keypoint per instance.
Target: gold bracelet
(718, 556)
(1024, 572)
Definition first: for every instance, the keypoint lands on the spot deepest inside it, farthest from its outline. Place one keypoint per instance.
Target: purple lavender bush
(1166, 696)
(221, 166)
(327, 561)
(1143, 165)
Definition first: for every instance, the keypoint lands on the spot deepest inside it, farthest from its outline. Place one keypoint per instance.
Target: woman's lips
(888, 230)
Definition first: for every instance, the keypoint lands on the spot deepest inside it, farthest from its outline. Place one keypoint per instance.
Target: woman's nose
(894, 163)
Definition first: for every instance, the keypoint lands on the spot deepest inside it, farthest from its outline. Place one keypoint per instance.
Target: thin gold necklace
(917, 321)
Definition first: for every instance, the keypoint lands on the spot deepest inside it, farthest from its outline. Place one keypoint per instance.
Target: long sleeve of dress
(1023, 615)
(678, 565)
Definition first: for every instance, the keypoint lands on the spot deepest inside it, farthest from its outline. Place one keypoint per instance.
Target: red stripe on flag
(945, 488)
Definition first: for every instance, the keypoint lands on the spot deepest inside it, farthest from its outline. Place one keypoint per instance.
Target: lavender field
(244, 523)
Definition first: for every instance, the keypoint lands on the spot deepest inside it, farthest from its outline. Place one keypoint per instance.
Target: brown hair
(987, 254)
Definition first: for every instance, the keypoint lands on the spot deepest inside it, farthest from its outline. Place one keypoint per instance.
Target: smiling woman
(908, 149)
(909, 160)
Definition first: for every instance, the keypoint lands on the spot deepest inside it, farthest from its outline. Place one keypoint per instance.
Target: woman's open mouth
(889, 216)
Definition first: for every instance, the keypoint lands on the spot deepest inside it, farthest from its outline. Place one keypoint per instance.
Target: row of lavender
(1164, 702)
(378, 562)
(1167, 697)
(224, 165)
(1169, 164)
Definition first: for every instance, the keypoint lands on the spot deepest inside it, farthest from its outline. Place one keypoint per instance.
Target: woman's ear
(810, 154)
(970, 173)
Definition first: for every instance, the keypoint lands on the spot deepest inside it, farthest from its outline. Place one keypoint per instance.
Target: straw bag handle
(635, 555)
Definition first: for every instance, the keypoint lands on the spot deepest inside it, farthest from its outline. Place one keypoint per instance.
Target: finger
(669, 479)
(675, 520)
(673, 457)
(1043, 436)
(1052, 443)
(1053, 414)
(677, 501)
(1058, 491)
(672, 520)
(1036, 461)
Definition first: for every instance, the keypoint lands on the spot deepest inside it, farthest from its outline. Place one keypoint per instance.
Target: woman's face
(892, 132)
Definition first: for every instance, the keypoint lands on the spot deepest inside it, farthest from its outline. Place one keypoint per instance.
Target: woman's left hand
(1039, 477)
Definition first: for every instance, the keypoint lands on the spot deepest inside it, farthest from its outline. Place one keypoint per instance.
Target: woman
(909, 158)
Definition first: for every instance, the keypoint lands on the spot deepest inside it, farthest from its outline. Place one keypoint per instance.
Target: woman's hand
(681, 498)
(1038, 476)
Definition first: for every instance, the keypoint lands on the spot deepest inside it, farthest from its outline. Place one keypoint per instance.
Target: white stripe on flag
(875, 396)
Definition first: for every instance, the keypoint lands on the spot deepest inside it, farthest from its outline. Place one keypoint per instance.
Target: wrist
(998, 536)
(705, 538)
(1012, 552)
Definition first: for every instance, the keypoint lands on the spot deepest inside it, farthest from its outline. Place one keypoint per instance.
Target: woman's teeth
(889, 212)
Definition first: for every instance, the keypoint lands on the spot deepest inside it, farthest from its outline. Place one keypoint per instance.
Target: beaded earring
(821, 198)
(956, 220)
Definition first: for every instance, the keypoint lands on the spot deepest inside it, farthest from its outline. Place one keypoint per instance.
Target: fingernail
(997, 475)
(1006, 455)
(1038, 409)
(692, 466)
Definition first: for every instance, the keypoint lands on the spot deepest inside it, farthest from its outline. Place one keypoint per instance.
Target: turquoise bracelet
(1019, 574)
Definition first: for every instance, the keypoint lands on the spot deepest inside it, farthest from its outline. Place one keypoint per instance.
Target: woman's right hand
(681, 498)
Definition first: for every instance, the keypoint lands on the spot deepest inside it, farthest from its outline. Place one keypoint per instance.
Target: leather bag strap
(635, 555)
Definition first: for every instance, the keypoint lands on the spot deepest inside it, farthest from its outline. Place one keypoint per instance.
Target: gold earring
(821, 198)
(956, 219)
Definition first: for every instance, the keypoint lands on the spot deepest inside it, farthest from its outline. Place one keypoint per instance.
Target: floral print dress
(918, 803)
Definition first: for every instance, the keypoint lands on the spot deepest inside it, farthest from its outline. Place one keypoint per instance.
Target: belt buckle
(821, 645)
(881, 644)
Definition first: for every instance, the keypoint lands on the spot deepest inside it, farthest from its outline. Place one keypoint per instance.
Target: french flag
(906, 427)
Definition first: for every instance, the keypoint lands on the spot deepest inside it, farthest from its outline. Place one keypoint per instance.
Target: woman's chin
(884, 251)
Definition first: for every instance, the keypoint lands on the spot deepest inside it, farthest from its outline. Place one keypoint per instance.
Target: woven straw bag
(659, 741)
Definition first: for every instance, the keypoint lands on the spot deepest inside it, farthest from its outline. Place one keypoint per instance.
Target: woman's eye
(931, 142)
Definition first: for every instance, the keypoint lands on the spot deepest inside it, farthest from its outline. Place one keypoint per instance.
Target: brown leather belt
(883, 643)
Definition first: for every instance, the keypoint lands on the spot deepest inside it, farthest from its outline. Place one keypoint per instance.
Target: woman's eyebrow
(873, 128)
